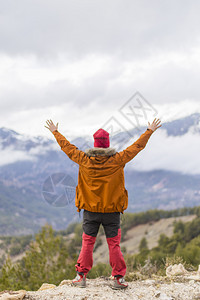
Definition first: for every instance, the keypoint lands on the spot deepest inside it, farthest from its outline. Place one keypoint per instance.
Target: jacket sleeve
(131, 151)
(71, 150)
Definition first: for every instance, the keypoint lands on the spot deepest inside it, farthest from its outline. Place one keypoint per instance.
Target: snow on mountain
(169, 112)
(183, 125)
(9, 137)
(175, 146)
(16, 147)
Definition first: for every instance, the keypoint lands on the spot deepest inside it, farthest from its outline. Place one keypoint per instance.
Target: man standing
(102, 195)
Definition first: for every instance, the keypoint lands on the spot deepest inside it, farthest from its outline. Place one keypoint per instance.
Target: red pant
(85, 260)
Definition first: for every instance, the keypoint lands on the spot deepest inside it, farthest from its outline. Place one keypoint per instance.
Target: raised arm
(131, 151)
(71, 150)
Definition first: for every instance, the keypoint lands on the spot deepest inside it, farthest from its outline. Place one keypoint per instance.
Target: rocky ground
(100, 289)
(177, 285)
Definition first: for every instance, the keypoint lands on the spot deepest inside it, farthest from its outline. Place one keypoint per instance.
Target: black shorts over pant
(109, 221)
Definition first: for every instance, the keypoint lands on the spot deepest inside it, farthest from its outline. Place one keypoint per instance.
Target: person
(102, 195)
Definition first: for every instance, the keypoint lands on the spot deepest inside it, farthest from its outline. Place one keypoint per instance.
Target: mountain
(184, 125)
(38, 180)
(9, 137)
(177, 127)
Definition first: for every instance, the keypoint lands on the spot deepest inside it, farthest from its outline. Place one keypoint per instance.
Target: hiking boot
(119, 283)
(79, 280)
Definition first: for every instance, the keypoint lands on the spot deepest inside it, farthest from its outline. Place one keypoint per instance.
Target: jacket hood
(100, 151)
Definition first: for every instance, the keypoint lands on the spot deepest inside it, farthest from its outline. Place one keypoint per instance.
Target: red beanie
(101, 139)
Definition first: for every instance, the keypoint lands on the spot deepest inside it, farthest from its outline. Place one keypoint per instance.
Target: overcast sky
(78, 62)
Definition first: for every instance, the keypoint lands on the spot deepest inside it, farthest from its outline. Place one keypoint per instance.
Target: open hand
(155, 124)
(51, 126)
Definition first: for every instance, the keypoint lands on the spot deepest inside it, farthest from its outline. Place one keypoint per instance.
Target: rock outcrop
(13, 295)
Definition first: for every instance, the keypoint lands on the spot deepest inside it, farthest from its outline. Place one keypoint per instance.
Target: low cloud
(173, 153)
(10, 155)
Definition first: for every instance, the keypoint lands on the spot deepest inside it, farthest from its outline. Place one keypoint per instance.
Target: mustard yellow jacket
(101, 185)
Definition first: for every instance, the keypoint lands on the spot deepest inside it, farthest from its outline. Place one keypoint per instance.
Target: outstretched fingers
(157, 123)
(155, 120)
(48, 123)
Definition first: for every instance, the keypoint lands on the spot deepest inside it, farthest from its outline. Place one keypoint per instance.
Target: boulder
(175, 270)
(65, 282)
(46, 286)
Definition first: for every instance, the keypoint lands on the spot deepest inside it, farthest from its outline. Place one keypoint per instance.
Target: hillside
(16, 246)
(151, 231)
